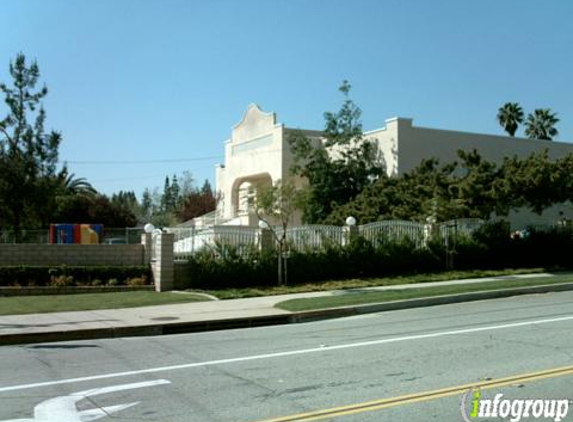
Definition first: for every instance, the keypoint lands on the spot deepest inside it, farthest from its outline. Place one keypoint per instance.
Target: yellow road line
(423, 396)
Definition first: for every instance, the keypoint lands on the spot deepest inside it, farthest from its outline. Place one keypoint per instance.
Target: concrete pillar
(350, 232)
(266, 240)
(431, 229)
(162, 265)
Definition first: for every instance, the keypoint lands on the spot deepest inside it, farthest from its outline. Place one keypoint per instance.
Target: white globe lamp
(350, 221)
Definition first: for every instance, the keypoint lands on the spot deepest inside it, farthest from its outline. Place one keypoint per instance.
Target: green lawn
(360, 298)
(370, 282)
(18, 305)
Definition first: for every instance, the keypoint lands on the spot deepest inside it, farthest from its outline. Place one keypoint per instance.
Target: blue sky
(140, 80)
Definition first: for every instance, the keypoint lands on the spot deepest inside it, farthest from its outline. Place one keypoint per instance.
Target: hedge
(26, 275)
(490, 247)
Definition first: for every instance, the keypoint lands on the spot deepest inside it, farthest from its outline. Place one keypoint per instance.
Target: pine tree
(175, 194)
(166, 197)
(146, 206)
(28, 156)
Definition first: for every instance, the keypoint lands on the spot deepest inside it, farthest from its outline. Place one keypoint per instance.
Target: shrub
(61, 281)
(223, 267)
(137, 281)
(492, 246)
(80, 275)
(489, 247)
(112, 282)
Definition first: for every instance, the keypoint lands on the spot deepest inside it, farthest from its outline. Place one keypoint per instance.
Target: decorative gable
(255, 123)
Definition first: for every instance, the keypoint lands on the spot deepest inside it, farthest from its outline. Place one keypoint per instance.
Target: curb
(262, 321)
(308, 316)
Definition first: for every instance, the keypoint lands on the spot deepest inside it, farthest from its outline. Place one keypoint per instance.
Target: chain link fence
(125, 235)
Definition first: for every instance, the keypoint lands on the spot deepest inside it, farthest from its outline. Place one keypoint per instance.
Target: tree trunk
(281, 281)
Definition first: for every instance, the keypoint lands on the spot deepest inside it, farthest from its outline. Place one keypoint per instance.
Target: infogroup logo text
(512, 409)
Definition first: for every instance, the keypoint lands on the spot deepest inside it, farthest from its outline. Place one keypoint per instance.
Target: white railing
(237, 235)
(210, 219)
(314, 237)
(395, 230)
(189, 240)
(459, 227)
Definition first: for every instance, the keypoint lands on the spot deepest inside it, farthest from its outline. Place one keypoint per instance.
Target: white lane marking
(321, 349)
(63, 408)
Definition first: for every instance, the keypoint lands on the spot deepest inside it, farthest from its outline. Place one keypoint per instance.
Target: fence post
(162, 266)
(430, 230)
(350, 231)
(266, 240)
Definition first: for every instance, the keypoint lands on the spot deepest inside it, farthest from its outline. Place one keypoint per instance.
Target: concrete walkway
(187, 317)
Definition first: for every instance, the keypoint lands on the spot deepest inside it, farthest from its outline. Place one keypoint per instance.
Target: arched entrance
(244, 192)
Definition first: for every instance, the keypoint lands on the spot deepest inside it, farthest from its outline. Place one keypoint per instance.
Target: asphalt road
(272, 373)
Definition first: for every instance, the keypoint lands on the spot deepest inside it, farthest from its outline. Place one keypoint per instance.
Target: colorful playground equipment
(84, 234)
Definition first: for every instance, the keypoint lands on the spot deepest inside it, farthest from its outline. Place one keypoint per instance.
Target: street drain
(164, 318)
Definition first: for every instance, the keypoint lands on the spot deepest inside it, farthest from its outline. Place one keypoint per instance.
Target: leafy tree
(146, 206)
(157, 212)
(27, 153)
(95, 209)
(478, 190)
(197, 202)
(340, 170)
(63, 185)
(187, 183)
(416, 195)
(127, 202)
(471, 187)
(179, 201)
(277, 204)
(510, 116)
(541, 124)
(535, 182)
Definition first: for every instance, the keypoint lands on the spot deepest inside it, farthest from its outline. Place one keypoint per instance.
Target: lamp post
(350, 229)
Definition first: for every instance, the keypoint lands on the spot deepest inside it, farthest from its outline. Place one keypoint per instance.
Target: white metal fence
(188, 241)
(395, 230)
(459, 227)
(314, 237)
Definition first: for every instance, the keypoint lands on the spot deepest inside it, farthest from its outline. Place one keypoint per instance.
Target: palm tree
(509, 116)
(69, 185)
(541, 124)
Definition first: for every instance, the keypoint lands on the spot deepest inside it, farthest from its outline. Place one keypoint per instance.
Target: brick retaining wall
(38, 254)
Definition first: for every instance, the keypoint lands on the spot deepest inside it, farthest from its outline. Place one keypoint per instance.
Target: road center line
(421, 397)
(285, 354)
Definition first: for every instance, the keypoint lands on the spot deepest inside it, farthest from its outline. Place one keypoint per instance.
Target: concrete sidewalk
(212, 315)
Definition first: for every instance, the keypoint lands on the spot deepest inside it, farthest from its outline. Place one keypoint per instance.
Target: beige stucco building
(258, 154)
